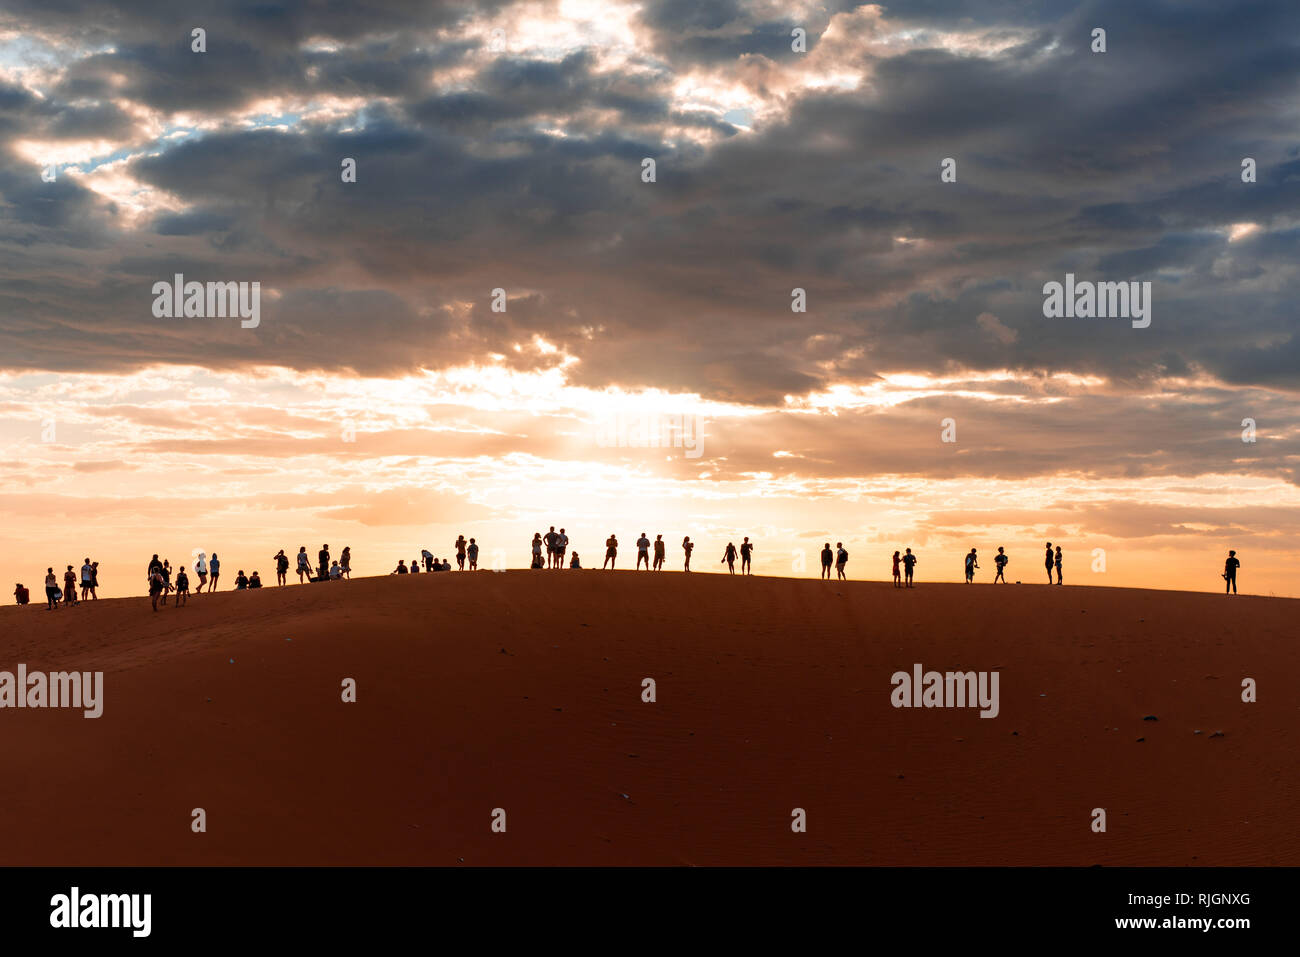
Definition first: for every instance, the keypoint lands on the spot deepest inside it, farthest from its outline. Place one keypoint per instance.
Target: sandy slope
(772, 694)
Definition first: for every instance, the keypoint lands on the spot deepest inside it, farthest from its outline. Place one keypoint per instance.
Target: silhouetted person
(1230, 573)
(971, 565)
(659, 552)
(688, 546)
(574, 562)
(255, 580)
(345, 561)
(549, 540)
(201, 570)
(1050, 562)
(69, 587)
(841, 559)
(537, 550)
(729, 556)
(611, 552)
(643, 552)
(87, 580)
(336, 572)
(21, 594)
(460, 552)
(54, 594)
(401, 568)
(215, 566)
(323, 562)
(281, 568)
(156, 586)
(472, 552)
(1001, 562)
(1058, 564)
(828, 558)
(746, 550)
(182, 587)
(304, 565)
(909, 563)
(241, 581)
(561, 546)
(898, 581)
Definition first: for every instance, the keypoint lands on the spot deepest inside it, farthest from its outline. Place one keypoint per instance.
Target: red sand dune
(772, 694)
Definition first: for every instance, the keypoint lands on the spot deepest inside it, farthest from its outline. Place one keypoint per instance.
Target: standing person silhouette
(537, 550)
(1001, 562)
(688, 546)
(746, 550)
(898, 581)
(1230, 573)
(729, 557)
(54, 594)
(561, 546)
(909, 563)
(659, 552)
(201, 570)
(841, 559)
(549, 540)
(304, 564)
(1058, 564)
(460, 552)
(828, 557)
(182, 587)
(323, 557)
(215, 567)
(472, 552)
(156, 585)
(611, 551)
(971, 565)
(281, 568)
(345, 561)
(69, 587)
(87, 579)
(643, 552)
(1049, 561)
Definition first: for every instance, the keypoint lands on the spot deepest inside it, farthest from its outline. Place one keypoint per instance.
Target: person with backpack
(156, 586)
(841, 559)
(1001, 563)
(281, 568)
(182, 587)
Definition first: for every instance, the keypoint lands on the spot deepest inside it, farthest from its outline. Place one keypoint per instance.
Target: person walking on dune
(688, 546)
(472, 552)
(643, 552)
(1000, 560)
(215, 567)
(611, 552)
(729, 556)
(898, 581)
(155, 586)
(659, 552)
(971, 565)
(746, 551)
(281, 568)
(201, 571)
(1058, 564)
(345, 561)
(828, 557)
(1230, 573)
(1050, 562)
(909, 563)
(460, 552)
(841, 559)
(182, 587)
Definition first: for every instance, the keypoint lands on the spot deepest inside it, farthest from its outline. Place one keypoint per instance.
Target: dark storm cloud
(1124, 165)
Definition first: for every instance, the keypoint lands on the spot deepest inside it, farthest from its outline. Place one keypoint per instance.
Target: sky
(479, 333)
